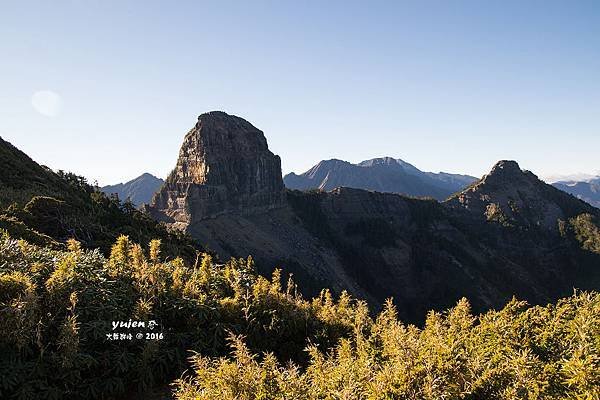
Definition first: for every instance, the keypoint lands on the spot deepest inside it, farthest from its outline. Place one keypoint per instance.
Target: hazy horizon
(108, 89)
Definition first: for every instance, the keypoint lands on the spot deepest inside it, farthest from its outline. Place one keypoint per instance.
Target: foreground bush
(56, 308)
(550, 352)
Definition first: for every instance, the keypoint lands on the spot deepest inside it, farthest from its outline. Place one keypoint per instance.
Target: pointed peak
(334, 161)
(391, 162)
(379, 161)
(505, 175)
(505, 166)
(507, 171)
(331, 163)
(386, 160)
(146, 178)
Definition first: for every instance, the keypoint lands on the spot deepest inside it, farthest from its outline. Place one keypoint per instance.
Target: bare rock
(224, 166)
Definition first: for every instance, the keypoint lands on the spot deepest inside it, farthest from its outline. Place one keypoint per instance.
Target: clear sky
(108, 89)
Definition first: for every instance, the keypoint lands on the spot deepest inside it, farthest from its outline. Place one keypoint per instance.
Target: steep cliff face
(227, 193)
(224, 166)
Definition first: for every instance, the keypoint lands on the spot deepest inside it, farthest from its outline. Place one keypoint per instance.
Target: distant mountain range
(588, 191)
(139, 190)
(384, 174)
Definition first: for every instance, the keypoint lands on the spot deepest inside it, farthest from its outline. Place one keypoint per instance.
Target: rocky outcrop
(513, 197)
(224, 166)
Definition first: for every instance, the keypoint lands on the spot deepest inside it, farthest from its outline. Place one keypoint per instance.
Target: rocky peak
(390, 162)
(333, 163)
(379, 161)
(224, 166)
(508, 172)
(506, 175)
(513, 197)
(506, 166)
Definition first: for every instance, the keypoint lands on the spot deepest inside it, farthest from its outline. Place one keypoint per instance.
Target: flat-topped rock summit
(224, 166)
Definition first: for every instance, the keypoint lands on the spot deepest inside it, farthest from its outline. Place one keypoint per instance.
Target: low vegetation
(57, 307)
(47, 208)
(75, 286)
(255, 338)
(518, 352)
(585, 228)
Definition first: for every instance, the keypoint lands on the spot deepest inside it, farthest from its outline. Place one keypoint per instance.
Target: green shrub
(518, 352)
(56, 307)
(586, 231)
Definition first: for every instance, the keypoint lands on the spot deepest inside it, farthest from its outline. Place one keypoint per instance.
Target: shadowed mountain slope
(518, 198)
(21, 177)
(507, 234)
(48, 208)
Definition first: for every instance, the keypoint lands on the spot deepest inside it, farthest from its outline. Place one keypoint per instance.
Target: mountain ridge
(588, 191)
(138, 190)
(383, 174)
(489, 246)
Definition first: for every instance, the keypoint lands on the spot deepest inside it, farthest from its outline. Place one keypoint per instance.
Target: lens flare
(47, 103)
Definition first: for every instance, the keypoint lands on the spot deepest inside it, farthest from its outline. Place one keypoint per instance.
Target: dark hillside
(507, 234)
(48, 208)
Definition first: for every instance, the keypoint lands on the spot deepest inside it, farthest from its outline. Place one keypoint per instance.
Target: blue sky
(445, 85)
